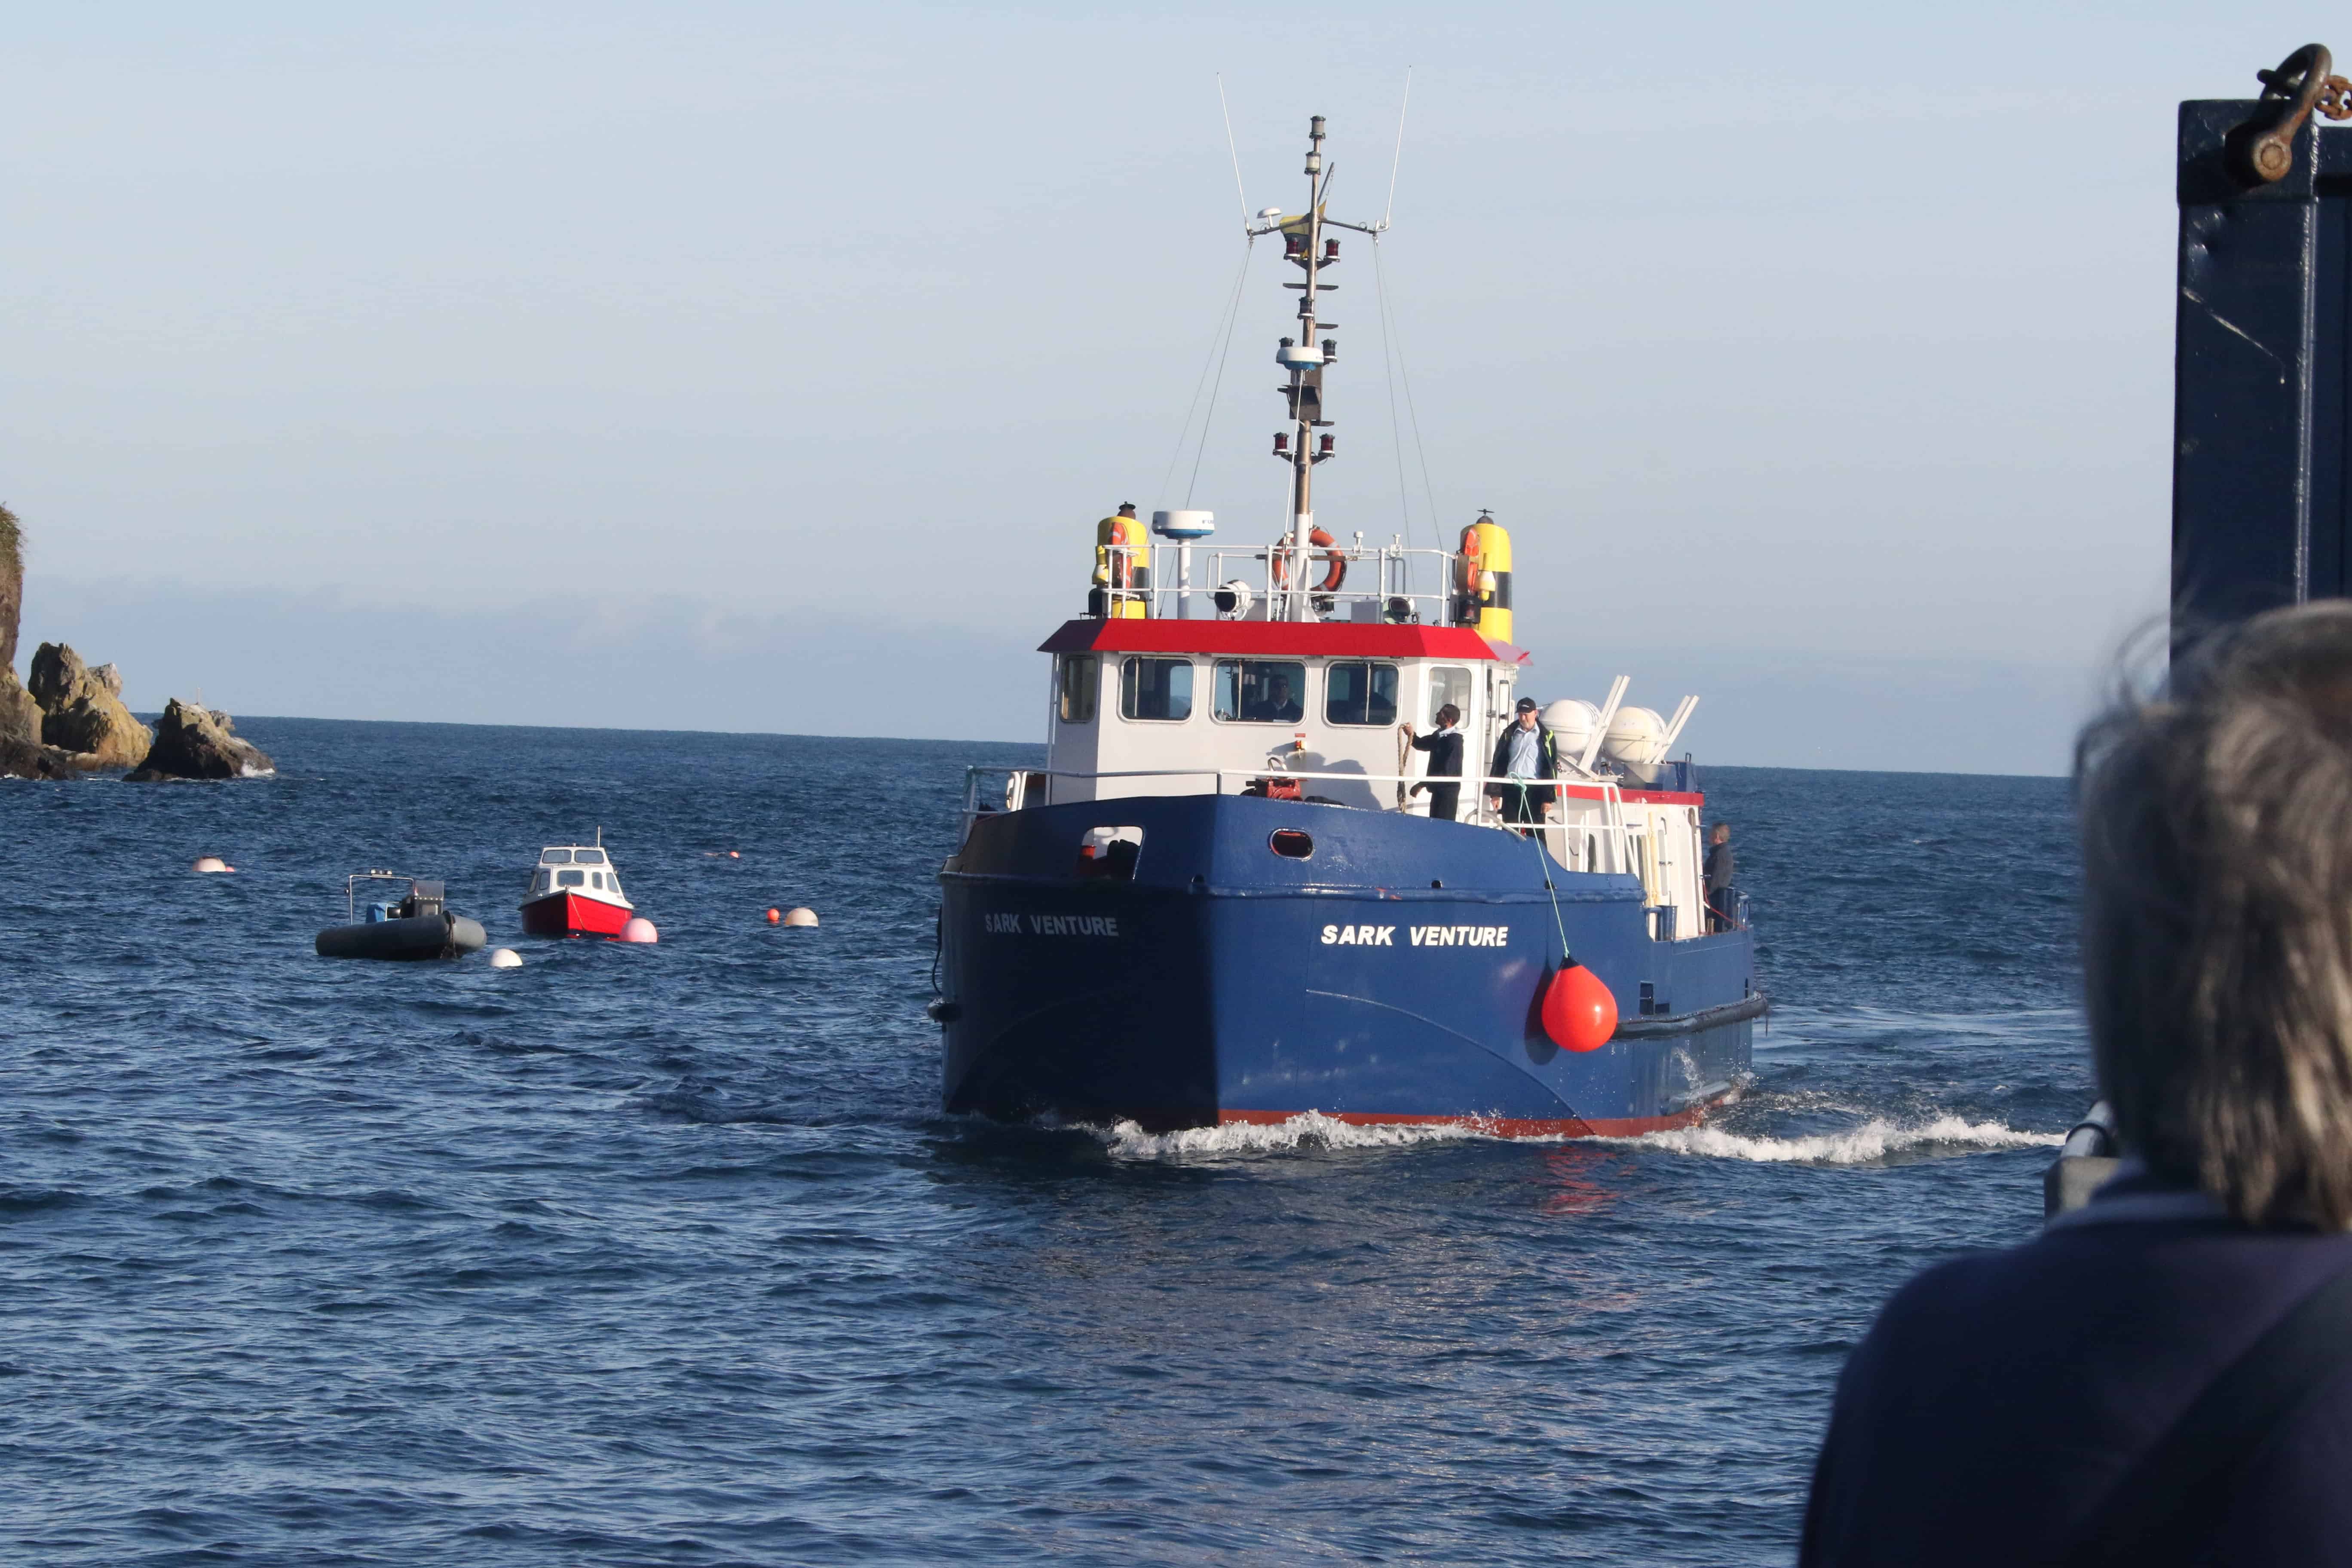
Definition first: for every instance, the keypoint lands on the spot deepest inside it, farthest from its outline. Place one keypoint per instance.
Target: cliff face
(20, 716)
(12, 589)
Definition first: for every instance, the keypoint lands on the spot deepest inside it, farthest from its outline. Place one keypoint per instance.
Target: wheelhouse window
(1449, 683)
(1357, 693)
(1074, 680)
(1159, 688)
(1261, 691)
(556, 857)
(589, 857)
(571, 879)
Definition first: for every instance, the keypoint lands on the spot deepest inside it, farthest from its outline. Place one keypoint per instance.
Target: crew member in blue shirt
(1524, 753)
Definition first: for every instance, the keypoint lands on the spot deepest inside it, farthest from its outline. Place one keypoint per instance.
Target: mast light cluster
(1307, 441)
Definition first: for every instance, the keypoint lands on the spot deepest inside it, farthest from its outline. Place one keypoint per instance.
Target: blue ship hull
(1391, 974)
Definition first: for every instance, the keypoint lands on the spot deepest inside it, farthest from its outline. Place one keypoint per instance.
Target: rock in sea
(82, 710)
(193, 742)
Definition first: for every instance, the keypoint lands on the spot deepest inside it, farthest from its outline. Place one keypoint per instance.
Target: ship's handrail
(1613, 850)
(1391, 586)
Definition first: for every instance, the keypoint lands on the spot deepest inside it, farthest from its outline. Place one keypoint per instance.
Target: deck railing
(1381, 583)
(1608, 845)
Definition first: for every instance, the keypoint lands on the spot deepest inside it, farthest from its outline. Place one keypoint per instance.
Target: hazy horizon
(768, 369)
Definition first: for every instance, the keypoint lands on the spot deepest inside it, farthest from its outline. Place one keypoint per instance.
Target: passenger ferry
(575, 891)
(1225, 898)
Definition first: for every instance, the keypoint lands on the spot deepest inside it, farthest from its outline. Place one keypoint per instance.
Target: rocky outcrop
(82, 711)
(29, 760)
(20, 716)
(193, 742)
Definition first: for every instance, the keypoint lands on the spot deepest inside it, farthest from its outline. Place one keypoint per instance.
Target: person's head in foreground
(2164, 1374)
(2217, 920)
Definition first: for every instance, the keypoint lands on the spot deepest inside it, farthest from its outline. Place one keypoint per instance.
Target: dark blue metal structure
(2260, 508)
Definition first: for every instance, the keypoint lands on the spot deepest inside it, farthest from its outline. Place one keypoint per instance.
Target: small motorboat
(575, 891)
(418, 925)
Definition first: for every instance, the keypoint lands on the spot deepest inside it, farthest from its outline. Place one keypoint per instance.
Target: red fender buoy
(1579, 1011)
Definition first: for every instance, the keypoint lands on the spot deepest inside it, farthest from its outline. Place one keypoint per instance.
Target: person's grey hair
(2216, 822)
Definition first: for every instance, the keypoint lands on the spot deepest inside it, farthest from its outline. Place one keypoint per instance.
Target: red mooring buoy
(1578, 1012)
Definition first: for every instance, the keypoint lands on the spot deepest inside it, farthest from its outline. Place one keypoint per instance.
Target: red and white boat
(575, 891)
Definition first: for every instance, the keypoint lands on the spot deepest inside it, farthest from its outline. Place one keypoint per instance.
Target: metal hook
(2261, 151)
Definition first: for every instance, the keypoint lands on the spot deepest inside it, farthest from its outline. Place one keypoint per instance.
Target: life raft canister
(1122, 567)
(1482, 579)
(1335, 564)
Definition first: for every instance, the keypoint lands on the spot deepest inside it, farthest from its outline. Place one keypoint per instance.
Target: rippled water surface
(664, 1255)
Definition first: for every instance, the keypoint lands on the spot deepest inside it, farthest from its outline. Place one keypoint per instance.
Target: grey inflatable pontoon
(419, 926)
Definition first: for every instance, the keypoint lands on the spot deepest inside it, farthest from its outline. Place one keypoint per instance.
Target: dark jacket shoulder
(2000, 1395)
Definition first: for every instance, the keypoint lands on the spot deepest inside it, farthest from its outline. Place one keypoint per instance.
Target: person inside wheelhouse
(1260, 692)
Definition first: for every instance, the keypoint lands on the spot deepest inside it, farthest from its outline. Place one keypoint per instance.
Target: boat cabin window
(588, 856)
(555, 857)
(1359, 693)
(570, 878)
(1074, 678)
(1155, 688)
(1448, 683)
(1261, 691)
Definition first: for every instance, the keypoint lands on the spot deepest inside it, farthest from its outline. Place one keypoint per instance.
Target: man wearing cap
(1525, 754)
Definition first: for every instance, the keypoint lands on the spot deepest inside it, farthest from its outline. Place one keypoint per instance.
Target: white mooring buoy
(639, 928)
(208, 863)
(800, 916)
(504, 958)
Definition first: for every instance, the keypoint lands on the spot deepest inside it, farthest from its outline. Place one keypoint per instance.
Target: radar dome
(1572, 721)
(1636, 742)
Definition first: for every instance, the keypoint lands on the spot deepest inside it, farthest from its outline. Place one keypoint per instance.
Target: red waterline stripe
(1495, 1126)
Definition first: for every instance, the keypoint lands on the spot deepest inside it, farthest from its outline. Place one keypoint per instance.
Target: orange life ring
(1338, 563)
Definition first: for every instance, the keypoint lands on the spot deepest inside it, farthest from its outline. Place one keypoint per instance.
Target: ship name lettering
(1074, 925)
(1360, 936)
(1461, 936)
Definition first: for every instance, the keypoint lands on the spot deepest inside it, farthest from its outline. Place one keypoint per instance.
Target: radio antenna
(1394, 161)
(1239, 193)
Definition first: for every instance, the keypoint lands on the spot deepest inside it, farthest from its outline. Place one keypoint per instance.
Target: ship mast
(1307, 442)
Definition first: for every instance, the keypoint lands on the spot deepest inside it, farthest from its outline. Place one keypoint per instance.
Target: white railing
(1610, 841)
(1380, 583)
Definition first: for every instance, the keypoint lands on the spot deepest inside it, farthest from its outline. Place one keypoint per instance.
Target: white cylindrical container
(1572, 721)
(1637, 743)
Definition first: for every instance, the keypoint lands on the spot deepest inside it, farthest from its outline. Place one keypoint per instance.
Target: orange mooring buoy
(774, 916)
(1579, 1011)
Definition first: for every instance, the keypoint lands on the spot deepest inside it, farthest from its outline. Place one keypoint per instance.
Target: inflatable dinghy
(418, 926)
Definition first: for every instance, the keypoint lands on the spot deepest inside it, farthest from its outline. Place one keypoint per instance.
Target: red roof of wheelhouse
(1301, 639)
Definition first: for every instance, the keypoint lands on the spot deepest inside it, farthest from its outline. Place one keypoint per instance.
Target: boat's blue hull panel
(1391, 974)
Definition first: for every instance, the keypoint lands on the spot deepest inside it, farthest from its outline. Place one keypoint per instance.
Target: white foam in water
(1308, 1129)
(1874, 1140)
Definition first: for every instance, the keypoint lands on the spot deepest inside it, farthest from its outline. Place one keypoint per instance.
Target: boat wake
(1309, 1130)
(1874, 1139)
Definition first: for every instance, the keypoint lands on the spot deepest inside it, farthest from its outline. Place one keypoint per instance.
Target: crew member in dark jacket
(1444, 745)
(1720, 915)
(2035, 1404)
(1525, 751)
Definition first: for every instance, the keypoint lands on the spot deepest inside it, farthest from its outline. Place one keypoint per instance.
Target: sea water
(666, 1254)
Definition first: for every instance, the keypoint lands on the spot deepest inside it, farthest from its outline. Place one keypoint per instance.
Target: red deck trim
(1495, 1126)
(1319, 639)
(1654, 796)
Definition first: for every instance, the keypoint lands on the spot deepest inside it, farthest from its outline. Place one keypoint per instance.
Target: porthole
(1291, 844)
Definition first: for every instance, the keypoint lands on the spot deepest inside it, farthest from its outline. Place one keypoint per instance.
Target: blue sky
(750, 367)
